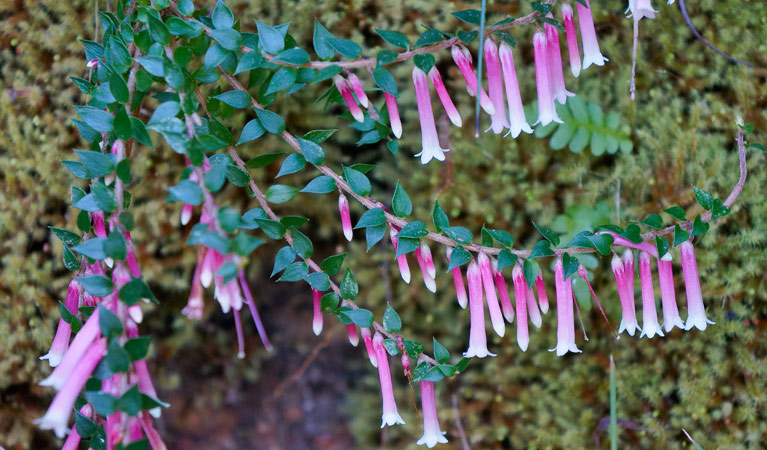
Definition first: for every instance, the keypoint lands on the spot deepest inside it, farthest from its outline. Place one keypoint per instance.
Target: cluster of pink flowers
(503, 100)
(74, 363)
(228, 292)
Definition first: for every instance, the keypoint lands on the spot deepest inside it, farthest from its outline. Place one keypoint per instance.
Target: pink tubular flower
(186, 213)
(640, 9)
(346, 219)
(354, 337)
(591, 52)
(503, 293)
(628, 270)
(565, 318)
(583, 273)
(520, 297)
(477, 336)
(426, 263)
(444, 97)
(64, 330)
(543, 299)
(155, 441)
(462, 58)
(404, 268)
(496, 317)
(696, 312)
(394, 119)
(495, 87)
(650, 326)
(194, 305)
(58, 413)
(517, 120)
(555, 63)
(628, 321)
(572, 39)
(547, 110)
(429, 138)
(210, 264)
(460, 288)
(343, 87)
(390, 415)
(317, 319)
(671, 317)
(367, 338)
(532, 309)
(80, 344)
(359, 91)
(432, 435)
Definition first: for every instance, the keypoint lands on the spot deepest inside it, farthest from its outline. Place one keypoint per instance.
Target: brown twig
(458, 424)
(686, 17)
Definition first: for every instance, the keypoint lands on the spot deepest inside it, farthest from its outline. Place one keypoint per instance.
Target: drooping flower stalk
(572, 39)
(503, 293)
(404, 268)
(343, 87)
(390, 415)
(488, 282)
(650, 326)
(543, 299)
(591, 52)
(444, 97)
(495, 87)
(628, 320)
(354, 337)
(671, 317)
(317, 312)
(477, 336)
(346, 219)
(57, 416)
(517, 120)
(583, 273)
(432, 434)
(429, 138)
(533, 313)
(426, 264)
(64, 329)
(394, 119)
(358, 89)
(463, 60)
(460, 288)
(565, 318)
(696, 312)
(547, 111)
(555, 63)
(253, 311)
(367, 339)
(520, 297)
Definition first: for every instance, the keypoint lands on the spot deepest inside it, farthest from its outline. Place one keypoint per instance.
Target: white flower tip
(240, 355)
(317, 328)
(575, 70)
(110, 262)
(58, 424)
(206, 277)
(509, 315)
(650, 330)
(358, 115)
(432, 438)
(156, 412)
(430, 284)
(474, 352)
(54, 358)
(544, 308)
(405, 274)
(348, 234)
(463, 301)
(499, 327)
(373, 360)
(523, 343)
(391, 418)
(397, 130)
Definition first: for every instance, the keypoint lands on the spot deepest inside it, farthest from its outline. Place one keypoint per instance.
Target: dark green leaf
(371, 218)
(186, 191)
(311, 151)
(222, 16)
(345, 47)
(323, 184)
(98, 119)
(272, 122)
(548, 234)
(703, 198)
(413, 230)
(719, 210)
(439, 217)
(92, 248)
(653, 221)
(109, 323)
(348, 287)
(460, 235)
(662, 245)
(332, 264)
(470, 16)
(458, 257)
(358, 182)
(391, 321)
(401, 203)
(394, 38)
(440, 352)
(294, 272)
(270, 38)
(284, 257)
(280, 193)
(541, 249)
(676, 212)
(680, 235)
(530, 270)
(292, 164)
(318, 281)
(506, 259)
